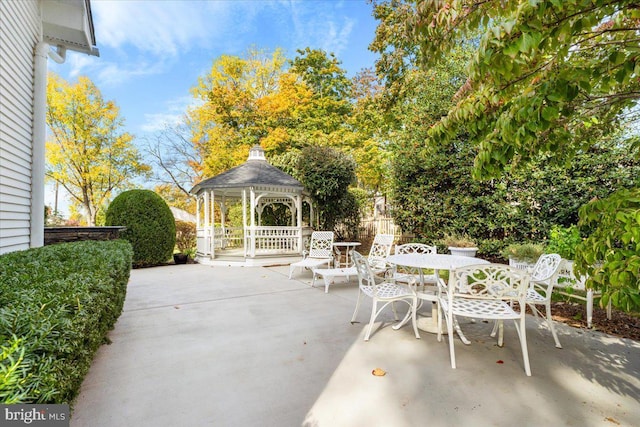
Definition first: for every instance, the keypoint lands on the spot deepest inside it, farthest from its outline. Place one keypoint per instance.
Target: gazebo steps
(240, 261)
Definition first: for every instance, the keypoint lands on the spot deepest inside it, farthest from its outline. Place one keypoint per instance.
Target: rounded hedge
(151, 228)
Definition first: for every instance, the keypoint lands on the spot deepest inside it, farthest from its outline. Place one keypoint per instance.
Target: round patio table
(436, 262)
(348, 246)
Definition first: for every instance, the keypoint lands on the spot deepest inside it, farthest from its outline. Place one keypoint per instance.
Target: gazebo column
(208, 234)
(299, 219)
(252, 213)
(244, 222)
(213, 224)
(199, 227)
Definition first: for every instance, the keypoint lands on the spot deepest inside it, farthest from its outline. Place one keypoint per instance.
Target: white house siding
(20, 31)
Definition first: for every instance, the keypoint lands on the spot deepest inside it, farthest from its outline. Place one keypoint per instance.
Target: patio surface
(244, 346)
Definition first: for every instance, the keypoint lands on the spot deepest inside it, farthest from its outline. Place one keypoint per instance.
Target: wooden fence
(370, 227)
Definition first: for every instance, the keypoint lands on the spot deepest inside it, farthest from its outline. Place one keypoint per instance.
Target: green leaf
(550, 113)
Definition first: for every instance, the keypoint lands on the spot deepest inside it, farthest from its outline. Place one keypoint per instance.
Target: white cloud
(165, 28)
(158, 121)
(79, 63)
(320, 25)
(113, 74)
(173, 114)
(157, 27)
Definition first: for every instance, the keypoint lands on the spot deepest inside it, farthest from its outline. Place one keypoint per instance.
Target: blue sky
(153, 51)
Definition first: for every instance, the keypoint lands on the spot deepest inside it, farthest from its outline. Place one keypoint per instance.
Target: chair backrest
(321, 245)
(366, 276)
(380, 250)
(547, 269)
(489, 281)
(415, 248)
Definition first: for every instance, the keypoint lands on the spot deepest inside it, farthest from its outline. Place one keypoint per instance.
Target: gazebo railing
(271, 240)
(274, 239)
(228, 238)
(203, 241)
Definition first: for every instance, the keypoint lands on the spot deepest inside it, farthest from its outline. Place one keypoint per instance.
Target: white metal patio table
(338, 249)
(435, 262)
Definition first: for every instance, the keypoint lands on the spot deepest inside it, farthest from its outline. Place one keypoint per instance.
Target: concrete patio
(235, 346)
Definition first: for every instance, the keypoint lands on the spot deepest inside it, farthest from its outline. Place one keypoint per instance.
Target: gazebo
(250, 192)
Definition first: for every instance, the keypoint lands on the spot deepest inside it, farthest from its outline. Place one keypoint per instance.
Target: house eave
(69, 23)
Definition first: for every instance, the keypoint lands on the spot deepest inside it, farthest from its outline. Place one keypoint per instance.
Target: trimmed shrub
(185, 236)
(57, 304)
(151, 228)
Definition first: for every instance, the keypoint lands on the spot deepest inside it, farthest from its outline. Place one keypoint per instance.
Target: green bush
(185, 237)
(57, 304)
(151, 228)
(527, 252)
(563, 241)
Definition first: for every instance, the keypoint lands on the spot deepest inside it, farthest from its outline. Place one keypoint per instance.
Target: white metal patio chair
(410, 275)
(544, 276)
(413, 276)
(385, 293)
(568, 283)
(320, 252)
(377, 259)
(485, 291)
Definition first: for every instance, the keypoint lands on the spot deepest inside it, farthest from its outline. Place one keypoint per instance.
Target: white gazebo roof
(256, 171)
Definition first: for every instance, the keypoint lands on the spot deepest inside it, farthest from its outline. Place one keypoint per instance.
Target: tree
(178, 166)
(88, 153)
(281, 104)
(242, 101)
(370, 135)
(322, 119)
(327, 173)
(547, 76)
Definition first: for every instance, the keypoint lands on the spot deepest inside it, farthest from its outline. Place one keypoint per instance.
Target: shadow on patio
(199, 345)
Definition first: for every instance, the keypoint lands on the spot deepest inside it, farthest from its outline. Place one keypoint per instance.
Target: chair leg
(413, 309)
(495, 329)
(439, 323)
(452, 352)
(355, 312)
(374, 312)
(395, 313)
(550, 323)
(522, 334)
(500, 333)
(404, 320)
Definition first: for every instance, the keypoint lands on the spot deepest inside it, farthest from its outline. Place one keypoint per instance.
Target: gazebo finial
(257, 153)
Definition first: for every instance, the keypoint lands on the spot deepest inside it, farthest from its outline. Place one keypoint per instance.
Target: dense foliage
(546, 76)
(610, 255)
(546, 111)
(327, 173)
(151, 228)
(57, 304)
